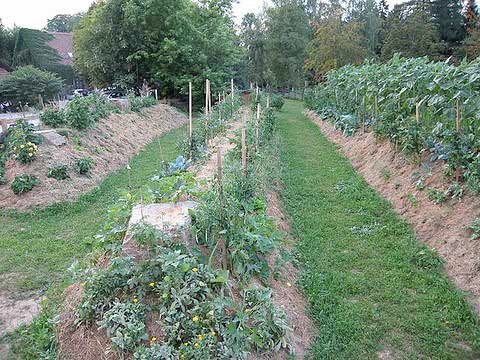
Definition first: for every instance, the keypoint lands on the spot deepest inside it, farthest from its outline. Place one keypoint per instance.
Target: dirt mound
(443, 227)
(110, 144)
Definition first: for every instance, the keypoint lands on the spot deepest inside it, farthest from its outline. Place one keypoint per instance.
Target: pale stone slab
(54, 138)
(172, 218)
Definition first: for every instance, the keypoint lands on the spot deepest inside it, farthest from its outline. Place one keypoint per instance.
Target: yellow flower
(83, 284)
(185, 343)
(195, 269)
(30, 154)
(289, 285)
(199, 337)
(153, 339)
(214, 333)
(22, 146)
(196, 345)
(135, 299)
(182, 356)
(195, 319)
(152, 284)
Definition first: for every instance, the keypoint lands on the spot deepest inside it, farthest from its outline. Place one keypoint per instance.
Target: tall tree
(7, 44)
(336, 43)
(253, 39)
(288, 33)
(447, 16)
(471, 15)
(63, 23)
(31, 48)
(411, 32)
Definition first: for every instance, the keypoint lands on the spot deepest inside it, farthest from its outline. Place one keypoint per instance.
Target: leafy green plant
(78, 114)
(277, 101)
(437, 196)
(54, 117)
(23, 183)
(25, 153)
(137, 103)
(475, 228)
(83, 166)
(59, 172)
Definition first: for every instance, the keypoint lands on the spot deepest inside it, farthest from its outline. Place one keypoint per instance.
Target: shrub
(23, 183)
(83, 166)
(137, 103)
(59, 172)
(475, 228)
(54, 117)
(277, 101)
(26, 83)
(3, 180)
(78, 113)
(25, 153)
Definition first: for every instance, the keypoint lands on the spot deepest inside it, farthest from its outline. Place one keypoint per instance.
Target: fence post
(232, 89)
(458, 172)
(244, 151)
(190, 118)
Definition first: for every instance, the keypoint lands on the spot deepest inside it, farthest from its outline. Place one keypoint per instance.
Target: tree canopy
(63, 23)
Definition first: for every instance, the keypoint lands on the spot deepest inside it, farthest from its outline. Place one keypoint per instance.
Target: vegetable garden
(419, 105)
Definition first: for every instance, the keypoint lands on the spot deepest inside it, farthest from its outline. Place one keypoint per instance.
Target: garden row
(21, 142)
(186, 288)
(420, 106)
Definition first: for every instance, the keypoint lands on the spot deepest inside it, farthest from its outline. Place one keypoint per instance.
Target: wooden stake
(221, 244)
(257, 121)
(156, 94)
(190, 118)
(209, 97)
(268, 102)
(458, 172)
(206, 97)
(417, 113)
(364, 109)
(232, 89)
(244, 151)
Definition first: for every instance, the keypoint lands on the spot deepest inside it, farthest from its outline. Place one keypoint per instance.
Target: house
(3, 73)
(63, 43)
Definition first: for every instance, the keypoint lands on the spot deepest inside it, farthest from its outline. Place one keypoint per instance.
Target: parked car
(80, 92)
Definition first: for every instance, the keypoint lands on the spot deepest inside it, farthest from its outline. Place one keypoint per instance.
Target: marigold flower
(195, 319)
(30, 154)
(135, 299)
(214, 333)
(196, 345)
(152, 284)
(289, 285)
(195, 269)
(22, 146)
(199, 337)
(153, 339)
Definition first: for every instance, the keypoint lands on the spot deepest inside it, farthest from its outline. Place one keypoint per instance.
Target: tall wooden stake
(190, 118)
(232, 89)
(458, 173)
(206, 97)
(268, 102)
(257, 121)
(417, 113)
(244, 151)
(364, 110)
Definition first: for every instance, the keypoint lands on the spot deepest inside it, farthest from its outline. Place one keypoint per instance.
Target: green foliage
(23, 183)
(63, 23)
(59, 172)
(54, 117)
(84, 112)
(24, 153)
(167, 42)
(83, 166)
(475, 229)
(437, 196)
(277, 101)
(25, 84)
(384, 98)
(137, 103)
(31, 48)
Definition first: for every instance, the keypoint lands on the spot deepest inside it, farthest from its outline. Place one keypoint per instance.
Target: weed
(23, 183)
(59, 172)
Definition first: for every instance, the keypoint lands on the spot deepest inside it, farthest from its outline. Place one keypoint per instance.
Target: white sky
(34, 13)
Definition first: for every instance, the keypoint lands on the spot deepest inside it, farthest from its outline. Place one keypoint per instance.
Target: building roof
(63, 43)
(3, 72)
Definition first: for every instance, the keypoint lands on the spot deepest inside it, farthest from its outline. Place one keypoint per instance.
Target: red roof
(3, 72)
(62, 42)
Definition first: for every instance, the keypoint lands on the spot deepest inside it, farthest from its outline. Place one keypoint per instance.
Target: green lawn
(37, 247)
(373, 289)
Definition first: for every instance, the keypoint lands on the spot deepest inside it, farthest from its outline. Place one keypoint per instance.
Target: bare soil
(445, 227)
(111, 144)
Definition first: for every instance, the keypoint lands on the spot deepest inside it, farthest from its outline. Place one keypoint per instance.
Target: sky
(34, 13)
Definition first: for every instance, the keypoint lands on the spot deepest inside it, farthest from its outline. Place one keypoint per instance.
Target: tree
(471, 15)
(411, 32)
(31, 48)
(447, 16)
(335, 43)
(165, 42)
(7, 44)
(253, 39)
(63, 23)
(25, 84)
(287, 35)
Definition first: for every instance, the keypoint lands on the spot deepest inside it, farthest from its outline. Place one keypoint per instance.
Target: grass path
(37, 247)
(374, 291)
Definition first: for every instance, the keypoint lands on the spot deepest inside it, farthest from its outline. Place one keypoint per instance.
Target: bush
(23, 183)
(137, 103)
(54, 117)
(78, 113)
(277, 101)
(83, 166)
(59, 172)
(26, 83)
(25, 153)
